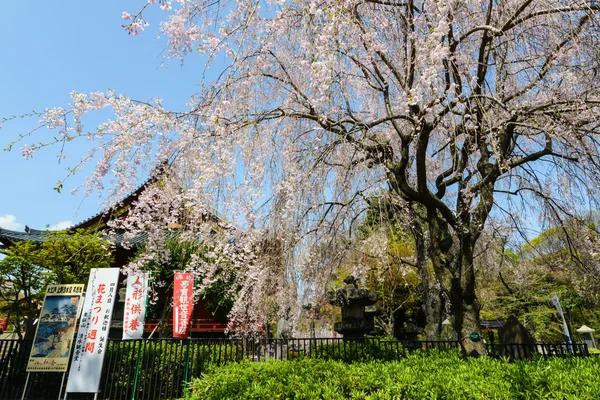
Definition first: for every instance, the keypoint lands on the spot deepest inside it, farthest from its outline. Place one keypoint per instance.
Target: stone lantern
(588, 336)
(358, 308)
(447, 332)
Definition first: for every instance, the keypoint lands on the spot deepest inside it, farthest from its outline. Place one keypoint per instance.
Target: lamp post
(313, 312)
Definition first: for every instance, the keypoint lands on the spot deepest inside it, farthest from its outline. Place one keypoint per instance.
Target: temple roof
(33, 235)
(99, 221)
(96, 222)
(8, 236)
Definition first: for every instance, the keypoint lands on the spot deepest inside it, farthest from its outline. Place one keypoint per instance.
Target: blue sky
(50, 48)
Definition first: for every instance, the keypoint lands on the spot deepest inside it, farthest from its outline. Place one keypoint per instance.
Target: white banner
(86, 365)
(556, 303)
(136, 298)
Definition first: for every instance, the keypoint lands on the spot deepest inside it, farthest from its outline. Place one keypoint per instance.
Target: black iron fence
(159, 368)
(524, 351)
(13, 359)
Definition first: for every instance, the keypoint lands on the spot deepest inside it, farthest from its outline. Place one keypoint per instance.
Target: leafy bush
(441, 375)
(165, 361)
(355, 351)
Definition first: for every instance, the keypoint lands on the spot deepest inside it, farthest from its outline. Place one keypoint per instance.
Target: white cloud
(61, 225)
(8, 221)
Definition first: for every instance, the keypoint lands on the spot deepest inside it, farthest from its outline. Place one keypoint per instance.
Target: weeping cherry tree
(476, 111)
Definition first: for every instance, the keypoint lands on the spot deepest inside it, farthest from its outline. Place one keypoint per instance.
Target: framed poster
(55, 329)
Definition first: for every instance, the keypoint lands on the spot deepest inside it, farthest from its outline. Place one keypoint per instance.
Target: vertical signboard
(183, 303)
(55, 329)
(136, 297)
(86, 366)
(556, 303)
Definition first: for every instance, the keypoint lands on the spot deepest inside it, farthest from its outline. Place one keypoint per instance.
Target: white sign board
(55, 329)
(90, 345)
(136, 298)
(556, 303)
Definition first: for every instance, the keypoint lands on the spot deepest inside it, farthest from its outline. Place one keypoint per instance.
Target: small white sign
(90, 345)
(136, 298)
(556, 303)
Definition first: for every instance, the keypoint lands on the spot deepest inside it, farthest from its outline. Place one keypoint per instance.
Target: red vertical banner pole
(183, 303)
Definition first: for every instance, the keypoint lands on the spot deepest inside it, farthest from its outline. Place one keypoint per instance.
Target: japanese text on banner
(90, 345)
(136, 297)
(183, 303)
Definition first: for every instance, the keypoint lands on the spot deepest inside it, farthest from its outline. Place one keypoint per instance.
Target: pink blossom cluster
(321, 105)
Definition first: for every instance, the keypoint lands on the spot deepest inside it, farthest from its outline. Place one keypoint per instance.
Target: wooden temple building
(204, 324)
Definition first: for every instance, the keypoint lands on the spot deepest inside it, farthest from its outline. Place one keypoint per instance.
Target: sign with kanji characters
(183, 303)
(136, 297)
(55, 329)
(90, 345)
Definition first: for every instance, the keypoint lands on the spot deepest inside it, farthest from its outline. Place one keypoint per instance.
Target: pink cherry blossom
(471, 111)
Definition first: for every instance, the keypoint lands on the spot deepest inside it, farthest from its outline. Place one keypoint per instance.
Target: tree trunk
(465, 306)
(452, 258)
(32, 314)
(433, 307)
(431, 295)
(387, 325)
(17, 313)
(164, 330)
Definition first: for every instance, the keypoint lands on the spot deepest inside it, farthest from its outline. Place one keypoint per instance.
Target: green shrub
(354, 351)
(157, 361)
(432, 375)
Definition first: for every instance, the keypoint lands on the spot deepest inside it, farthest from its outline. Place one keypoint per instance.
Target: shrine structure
(204, 324)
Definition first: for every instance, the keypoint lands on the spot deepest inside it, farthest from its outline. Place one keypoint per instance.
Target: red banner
(183, 303)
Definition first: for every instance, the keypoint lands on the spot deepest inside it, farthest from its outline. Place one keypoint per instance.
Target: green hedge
(161, 363)
(433, 375)
(353, 351)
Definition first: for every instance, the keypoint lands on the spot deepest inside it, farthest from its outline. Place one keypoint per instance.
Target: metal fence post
(137, 369)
